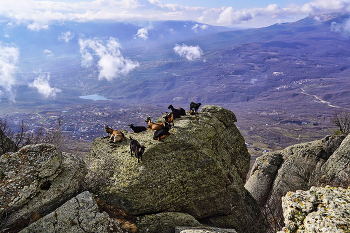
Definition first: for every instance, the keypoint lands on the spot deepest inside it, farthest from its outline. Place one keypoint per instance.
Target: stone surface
(297, 167)
(203, 230)
(80, 214)
(336, 170)
(199, 170)
(263, 175)
(37, 179)
(165, 222)
(317, 210)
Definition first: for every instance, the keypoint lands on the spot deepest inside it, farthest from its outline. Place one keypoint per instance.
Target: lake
(93, 97)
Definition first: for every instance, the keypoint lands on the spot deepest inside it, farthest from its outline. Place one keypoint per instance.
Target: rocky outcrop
(165, 222)
(336, 170)
(263, 175)
(200, 170)
(298, 167)
(36, 180)
(80, 214)
(203, 230)
(317, 210)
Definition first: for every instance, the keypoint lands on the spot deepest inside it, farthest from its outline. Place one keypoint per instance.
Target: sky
(39, 14)
(106, 55)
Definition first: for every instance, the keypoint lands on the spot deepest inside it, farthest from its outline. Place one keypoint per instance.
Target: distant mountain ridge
(32, 43)
(236, 65)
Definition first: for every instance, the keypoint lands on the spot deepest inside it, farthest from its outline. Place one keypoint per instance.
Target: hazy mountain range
(174, 61)
(283, 82)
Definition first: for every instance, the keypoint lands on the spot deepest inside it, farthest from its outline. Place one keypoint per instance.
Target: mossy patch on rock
(165, 222)
(36, 180)
(199, 170)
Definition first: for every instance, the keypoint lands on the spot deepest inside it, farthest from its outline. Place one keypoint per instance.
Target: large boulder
(336, 170)
(320, 209)
(36, 180)
(200, 170)
(297, 167)
(79, 214)
(165, 222)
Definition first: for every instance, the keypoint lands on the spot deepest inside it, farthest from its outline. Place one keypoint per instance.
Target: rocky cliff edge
(199, 170)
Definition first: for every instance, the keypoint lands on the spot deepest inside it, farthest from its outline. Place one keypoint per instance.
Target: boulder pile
(192, 178)
(36, 180)
(299, 167)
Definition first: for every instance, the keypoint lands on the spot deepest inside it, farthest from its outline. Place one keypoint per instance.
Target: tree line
(11, 141)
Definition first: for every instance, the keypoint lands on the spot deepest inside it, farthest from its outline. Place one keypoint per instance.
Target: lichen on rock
(298, 167)
(199, 170)
(37, 179)
(79, 214)
(320, 209)
(165, 222)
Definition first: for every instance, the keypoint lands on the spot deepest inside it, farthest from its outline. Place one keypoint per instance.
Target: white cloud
(326, 6)
(190, 52)
(111, 63)
(142, 33)
(37, 26)
(48, 53)
(343, 28)
(156, 2)
(41, 83)
(8, 59)
(203, 27)
(38, 15)
(229, 16)
(66, 36)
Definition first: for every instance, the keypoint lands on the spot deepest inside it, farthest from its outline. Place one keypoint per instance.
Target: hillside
(284, 81)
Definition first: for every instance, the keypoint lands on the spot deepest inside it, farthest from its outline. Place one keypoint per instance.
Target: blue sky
(219, 3)
(237, 4)
(39, 14)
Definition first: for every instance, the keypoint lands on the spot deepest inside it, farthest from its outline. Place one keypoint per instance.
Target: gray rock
(78, 215)
(199, 170)
(37, 179)
(263, 175)
(297, 167)
(165, 222)
(203, 230)
(336, 170)
(317, 210)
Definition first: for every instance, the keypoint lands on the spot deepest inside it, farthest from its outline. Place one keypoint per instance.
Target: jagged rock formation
(36, 180)
(317, 210)
(299, 167)
(80, 214)
(200, 171)
(336, 170)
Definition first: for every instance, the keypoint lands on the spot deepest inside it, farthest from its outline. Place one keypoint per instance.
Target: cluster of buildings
(82, 123)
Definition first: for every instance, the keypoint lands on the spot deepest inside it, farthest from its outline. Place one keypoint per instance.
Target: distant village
(87, 123)
(84, 124)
